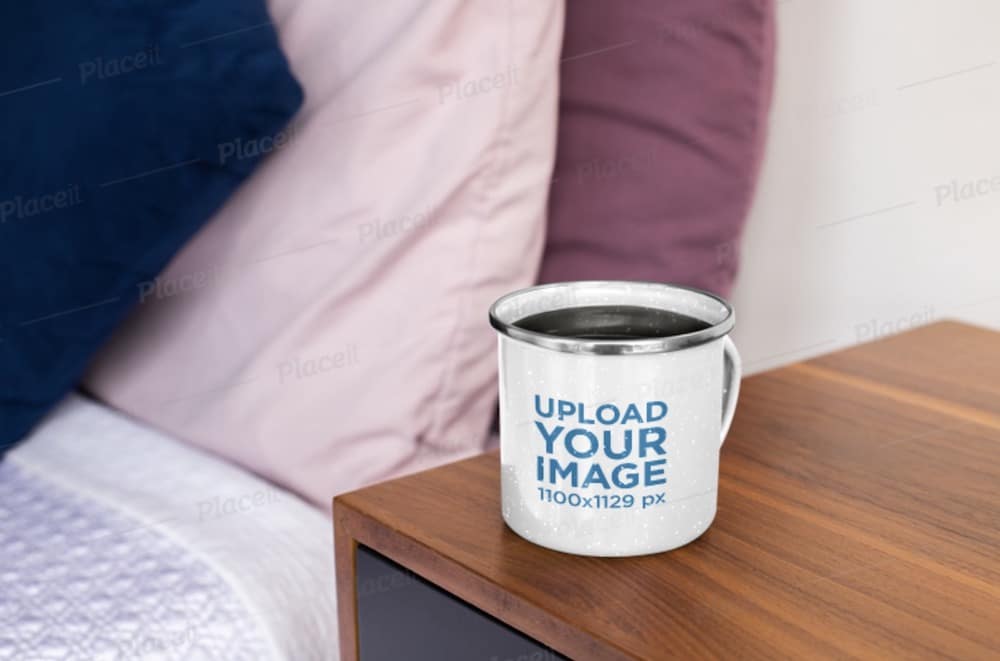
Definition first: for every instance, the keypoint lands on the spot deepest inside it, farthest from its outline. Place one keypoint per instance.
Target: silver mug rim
(614, 347)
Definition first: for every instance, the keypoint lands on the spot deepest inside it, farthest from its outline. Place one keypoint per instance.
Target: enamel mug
(610, 447)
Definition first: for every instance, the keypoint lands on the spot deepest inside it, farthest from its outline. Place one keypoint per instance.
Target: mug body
(611, 448)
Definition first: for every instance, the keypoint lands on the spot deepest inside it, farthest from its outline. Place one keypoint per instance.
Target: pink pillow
(328, 327)
(662, 117)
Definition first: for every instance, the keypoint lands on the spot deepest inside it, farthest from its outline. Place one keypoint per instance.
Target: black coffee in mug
(611, 322)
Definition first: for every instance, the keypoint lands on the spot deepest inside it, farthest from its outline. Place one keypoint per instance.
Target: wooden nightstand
(859, 515)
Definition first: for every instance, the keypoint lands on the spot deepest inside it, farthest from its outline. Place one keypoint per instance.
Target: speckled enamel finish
(698, 384)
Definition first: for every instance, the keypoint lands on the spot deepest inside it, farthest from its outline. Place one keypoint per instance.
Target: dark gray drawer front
(403, 617)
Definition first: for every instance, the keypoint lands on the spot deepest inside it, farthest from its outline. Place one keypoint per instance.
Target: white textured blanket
(117, 542)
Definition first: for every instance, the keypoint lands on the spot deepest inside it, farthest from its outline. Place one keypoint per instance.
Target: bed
(117, 542)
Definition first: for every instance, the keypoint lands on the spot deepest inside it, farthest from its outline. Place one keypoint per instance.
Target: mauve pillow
(662, 117)
(328, 327)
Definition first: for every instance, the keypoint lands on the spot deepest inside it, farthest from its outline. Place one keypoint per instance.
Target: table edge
(356, 526)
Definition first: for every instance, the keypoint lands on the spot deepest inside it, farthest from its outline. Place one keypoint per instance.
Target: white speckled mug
(615, 398)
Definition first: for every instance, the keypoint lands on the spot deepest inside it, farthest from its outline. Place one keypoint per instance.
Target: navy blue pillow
(118, 122)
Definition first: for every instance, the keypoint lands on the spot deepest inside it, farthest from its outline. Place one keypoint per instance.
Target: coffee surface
(611, 322)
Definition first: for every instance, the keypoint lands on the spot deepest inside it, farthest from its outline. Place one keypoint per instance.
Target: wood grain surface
(859, 516)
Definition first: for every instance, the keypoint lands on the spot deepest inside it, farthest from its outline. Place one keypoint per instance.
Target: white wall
(879, 106)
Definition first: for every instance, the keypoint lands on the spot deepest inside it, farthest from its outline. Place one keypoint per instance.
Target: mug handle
(731, 374)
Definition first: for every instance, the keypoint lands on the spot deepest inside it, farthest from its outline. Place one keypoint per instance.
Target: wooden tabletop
(859, 516)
